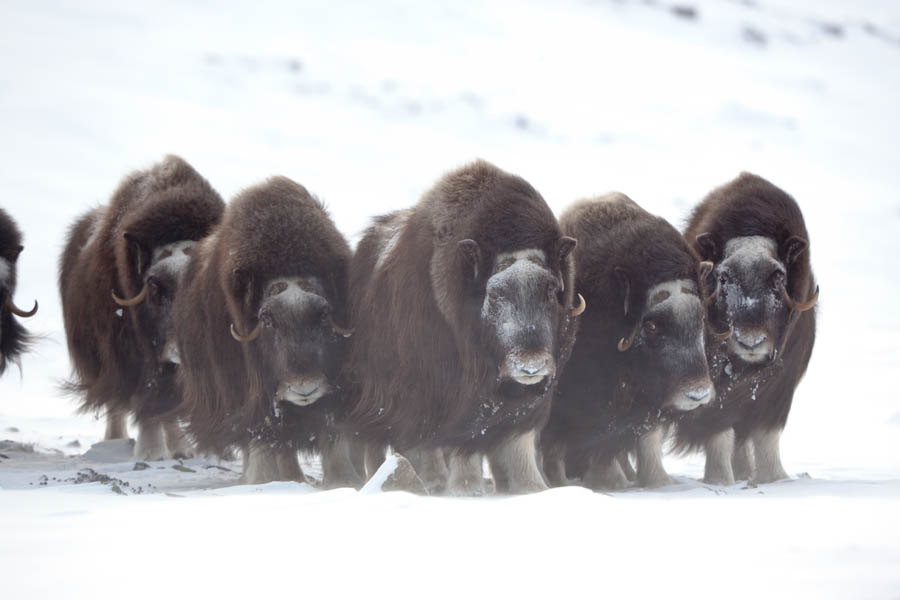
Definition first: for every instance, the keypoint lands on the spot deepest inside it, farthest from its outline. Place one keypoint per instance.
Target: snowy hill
(367, 104)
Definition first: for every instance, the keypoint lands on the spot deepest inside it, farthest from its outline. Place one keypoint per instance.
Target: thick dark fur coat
(108, 250)
(752, 397)
(608, 398)
(270, 231)
(14, 338)
(417, 371)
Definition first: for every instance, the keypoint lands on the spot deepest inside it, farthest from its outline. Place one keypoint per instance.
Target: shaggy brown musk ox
(763, 287)
(258, 329)
(639, 359)
(462, 307)
(13, 337)
(117, 277)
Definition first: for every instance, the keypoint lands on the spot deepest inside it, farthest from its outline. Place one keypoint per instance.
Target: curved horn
(624, 344)
(246, 338)
(18, 311)
(720, 337)
(580, 308)
(794, 305)
(706, 268)
(132, 301)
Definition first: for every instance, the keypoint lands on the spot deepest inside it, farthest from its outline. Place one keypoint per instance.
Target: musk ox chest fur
(118, 275)
(639, 358)
(462, 309)
(14, 338)
(259, 323)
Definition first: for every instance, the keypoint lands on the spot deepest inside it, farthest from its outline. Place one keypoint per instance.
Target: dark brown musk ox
(762, 286)
(258, 324)
(14, 339)
(118, 275)
(639, 359)
(463, 312)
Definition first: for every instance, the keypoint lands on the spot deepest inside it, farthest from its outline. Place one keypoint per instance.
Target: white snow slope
(367, 103)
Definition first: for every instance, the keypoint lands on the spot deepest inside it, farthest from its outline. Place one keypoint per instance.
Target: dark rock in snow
(684, 11)
(183, 469)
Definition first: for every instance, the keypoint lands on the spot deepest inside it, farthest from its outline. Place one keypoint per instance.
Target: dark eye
(650, 328)
(156, 289)
(325, 317)
(777, 279)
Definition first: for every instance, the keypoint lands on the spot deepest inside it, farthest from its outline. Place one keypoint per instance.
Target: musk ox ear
(708, 249)
(138, 251)
(472, 253)
(793, 248)
(624, 285)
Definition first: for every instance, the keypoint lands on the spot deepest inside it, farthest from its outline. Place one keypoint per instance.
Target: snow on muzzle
(528, 368)
(693, 394)
(303, 390)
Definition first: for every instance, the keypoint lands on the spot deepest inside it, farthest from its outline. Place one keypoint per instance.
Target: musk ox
(639, 359)
(13, 337)
(258, 324)
(763, 288)
(117, 278)
(463, 312)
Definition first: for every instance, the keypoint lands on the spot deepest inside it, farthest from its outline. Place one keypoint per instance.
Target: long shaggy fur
(607, 399)
(418, 372)
(751, 397)
(109, 250)
(14, 339)
(270, 231)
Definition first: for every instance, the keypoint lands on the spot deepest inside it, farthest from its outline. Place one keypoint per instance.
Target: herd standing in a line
(454, 333)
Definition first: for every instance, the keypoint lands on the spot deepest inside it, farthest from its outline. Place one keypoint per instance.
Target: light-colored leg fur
(116, 425)
(337, 465)
(719, 451)
(466, 475)
(604, 473)
(431, 468)
(288, 465)
(742, 462)
(627, 468)
(768, 456)
(650, 470)
(176, 442)
(374, 457)
(260, 464)
(151, 442)
(514, 466)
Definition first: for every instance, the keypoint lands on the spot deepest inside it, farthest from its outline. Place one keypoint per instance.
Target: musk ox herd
(472, 328)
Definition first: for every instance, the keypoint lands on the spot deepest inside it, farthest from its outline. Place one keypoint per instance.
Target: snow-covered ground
(367, 103)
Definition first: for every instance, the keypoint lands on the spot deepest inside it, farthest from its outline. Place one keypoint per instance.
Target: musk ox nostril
(749, 341)
(534, 369)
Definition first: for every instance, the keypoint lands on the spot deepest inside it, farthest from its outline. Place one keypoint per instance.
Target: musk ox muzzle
(528, 368)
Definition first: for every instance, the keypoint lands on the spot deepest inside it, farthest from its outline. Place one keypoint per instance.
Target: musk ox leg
(604, 473)
(650, 470)
(719, 451)
(260, 464)
(431, 468)
(554, 463)
(375, 454)
(768, 456)
(151, 442)
(625, 463)
(288, 465)
(466, 475)
(742, 462)
(514, 465)
(337, 464)
(116, 425)
(176, 442)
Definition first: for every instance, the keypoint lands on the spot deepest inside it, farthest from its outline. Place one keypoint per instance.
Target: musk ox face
(520, 316)
(667, 347)
(750, 297)
(297, 337)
